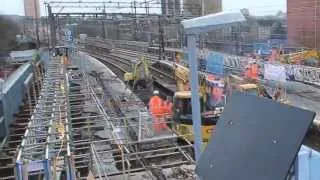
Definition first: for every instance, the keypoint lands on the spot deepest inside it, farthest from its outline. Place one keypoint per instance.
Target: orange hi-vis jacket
(253, 71)
(168, 107)
(156, 105)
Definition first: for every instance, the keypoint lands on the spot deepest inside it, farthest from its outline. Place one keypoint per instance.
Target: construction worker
(252, 71)
(65, 60)
(217, 95)
(177, 57)
(156, 109)
(255, 71)
(168, 106)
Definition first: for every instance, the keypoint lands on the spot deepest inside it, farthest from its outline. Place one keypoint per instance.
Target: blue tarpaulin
(215, 63)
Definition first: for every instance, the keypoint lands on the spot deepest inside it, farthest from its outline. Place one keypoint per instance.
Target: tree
(8, 32)
(280, 14)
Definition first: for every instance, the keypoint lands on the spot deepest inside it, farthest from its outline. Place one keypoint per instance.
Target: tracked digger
(182, 110)
(140, 79)
(210, 113)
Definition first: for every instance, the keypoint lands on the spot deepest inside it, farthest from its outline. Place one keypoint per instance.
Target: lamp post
(193, 28)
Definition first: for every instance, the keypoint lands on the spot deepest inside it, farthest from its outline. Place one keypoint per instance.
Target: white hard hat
(156, 92)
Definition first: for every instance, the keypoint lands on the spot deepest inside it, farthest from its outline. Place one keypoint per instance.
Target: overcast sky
(258, 7)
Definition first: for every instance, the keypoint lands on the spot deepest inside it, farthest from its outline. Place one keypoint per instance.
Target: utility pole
(135, 7)
(174, 9)
(52, 27)
(146, 6)
(201, 38)
(37, 23)
(24, 25)
(103, 24)
(159, 24)
(161, 39)
(135, 20)
(148, 21)
(315, 24)
(43, 29)
(59, 26)
(167, 7)
(202, 8)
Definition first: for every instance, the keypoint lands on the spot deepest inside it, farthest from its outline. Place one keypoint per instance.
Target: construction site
(159, 90)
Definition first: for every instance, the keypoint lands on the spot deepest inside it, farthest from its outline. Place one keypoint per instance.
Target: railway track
(129, 57)
(134, 54)
(124, 66)
(164, 81)
(140, 160)
(121, 61)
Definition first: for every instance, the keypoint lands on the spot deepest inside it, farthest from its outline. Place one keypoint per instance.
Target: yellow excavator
(182, 110)
(140, 78)
(256, 89)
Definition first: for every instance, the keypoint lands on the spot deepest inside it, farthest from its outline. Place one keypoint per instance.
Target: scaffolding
(131, 157)
(76, 130)
(128, 143)
(46, 141)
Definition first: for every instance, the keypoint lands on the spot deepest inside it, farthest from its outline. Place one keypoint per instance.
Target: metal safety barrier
(12, 96)
(46, 139)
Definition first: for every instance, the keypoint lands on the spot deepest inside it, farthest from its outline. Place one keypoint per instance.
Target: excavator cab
(140, 78)
(182, 116)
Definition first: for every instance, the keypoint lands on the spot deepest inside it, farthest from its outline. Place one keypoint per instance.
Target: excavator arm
(140, 78)
(182, 77)
(141, 71)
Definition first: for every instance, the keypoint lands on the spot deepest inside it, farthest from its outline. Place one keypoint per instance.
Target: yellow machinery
(258, 90)
(240, 84)
(298, 57)
(182, 110)
(140, 78)
(249, 89)
(182, 117)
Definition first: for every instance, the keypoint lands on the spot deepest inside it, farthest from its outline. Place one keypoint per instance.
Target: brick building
(303, 23)
(32, 8)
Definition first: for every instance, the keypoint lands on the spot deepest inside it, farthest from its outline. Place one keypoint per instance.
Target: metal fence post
(19, 175)
(47, 169)
(140, 127)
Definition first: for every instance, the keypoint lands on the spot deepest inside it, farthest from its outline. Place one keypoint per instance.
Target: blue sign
(215, 63)
(68, 35)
